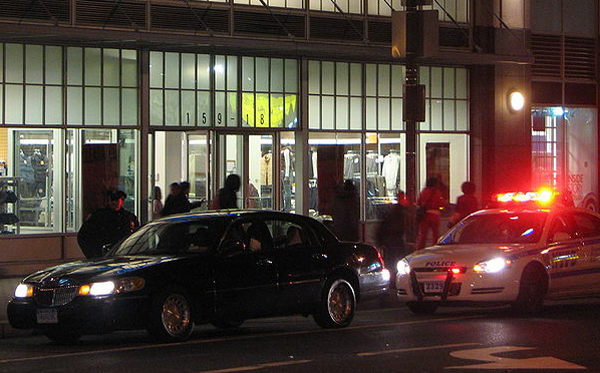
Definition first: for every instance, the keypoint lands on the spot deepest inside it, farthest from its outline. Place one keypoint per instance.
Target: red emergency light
(543, 197)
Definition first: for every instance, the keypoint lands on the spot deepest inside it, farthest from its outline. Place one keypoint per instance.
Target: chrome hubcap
(175, 314)
(340, 301)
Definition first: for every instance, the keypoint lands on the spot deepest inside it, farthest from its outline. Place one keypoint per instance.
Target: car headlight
(403, 268)
(124, 285)
(24, 291)
(491, 265)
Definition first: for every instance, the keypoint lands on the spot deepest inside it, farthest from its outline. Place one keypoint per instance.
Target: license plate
(433, 287)
(47, 316)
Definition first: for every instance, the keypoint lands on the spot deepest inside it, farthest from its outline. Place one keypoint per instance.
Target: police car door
(564, 256)
(588, 228)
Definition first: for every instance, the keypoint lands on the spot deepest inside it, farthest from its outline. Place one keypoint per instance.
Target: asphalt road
(565, 338)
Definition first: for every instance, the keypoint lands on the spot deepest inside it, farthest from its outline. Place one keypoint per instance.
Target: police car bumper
(83, 315)
(467, 288)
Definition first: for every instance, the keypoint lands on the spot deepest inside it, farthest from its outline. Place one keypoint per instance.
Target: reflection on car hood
(461, 255)
(82, 271)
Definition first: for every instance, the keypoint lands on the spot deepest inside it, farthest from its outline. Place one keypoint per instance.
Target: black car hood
(99, 269)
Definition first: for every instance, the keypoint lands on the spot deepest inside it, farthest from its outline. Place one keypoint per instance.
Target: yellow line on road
(237, 338)
(257, 366)
(412, 349)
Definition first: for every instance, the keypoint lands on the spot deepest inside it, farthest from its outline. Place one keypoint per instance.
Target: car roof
(222, 214)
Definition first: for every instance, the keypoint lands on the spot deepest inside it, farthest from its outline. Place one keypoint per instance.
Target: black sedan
(218, 267)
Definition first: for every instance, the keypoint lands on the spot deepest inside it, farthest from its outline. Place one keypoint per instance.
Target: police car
(525, 250)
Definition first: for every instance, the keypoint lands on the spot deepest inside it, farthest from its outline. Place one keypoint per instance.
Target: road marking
(257, 366)
(412, 349)
(236, 338)
(497, 362)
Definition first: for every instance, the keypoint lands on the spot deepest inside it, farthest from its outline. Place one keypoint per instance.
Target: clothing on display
(351, 165)
(39, 162)
(287, 176)
(391, 166)
(266, 169)
(372, 163)
(9, 221)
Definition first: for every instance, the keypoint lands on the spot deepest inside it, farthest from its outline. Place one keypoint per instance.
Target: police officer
(106, 226)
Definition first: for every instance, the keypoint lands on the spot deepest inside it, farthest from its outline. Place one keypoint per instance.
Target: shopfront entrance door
(250, 157)
(180, 156)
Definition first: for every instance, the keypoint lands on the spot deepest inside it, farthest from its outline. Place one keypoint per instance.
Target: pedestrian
(345, 213)
(465, 204)
(176, 202)
(157, 204)
(390, 235)
(227, 196)
(106, 226)
(428, 212)
(185, 190)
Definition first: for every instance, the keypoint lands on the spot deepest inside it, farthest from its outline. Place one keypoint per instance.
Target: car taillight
(380, 258)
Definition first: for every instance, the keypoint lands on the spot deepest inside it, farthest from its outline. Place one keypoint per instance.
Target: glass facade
(78, 109)
(565, 152)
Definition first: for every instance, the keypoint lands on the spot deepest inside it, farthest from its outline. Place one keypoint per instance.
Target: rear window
(500, 228)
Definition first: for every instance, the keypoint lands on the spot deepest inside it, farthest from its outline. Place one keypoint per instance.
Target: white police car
(520, 253)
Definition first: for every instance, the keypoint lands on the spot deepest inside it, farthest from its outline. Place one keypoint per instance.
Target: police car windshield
(499, 228)
(172, 238)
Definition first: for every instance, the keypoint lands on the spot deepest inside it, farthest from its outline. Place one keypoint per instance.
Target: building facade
(296, 97)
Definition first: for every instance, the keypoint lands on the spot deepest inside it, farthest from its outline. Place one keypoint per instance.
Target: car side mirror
(232, 247)
(561, 236)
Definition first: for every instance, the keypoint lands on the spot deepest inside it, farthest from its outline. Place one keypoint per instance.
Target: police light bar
(543, 196)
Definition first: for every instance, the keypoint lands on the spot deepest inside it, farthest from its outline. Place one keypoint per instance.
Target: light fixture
(516, 101)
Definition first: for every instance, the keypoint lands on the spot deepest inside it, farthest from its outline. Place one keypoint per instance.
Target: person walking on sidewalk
(429, 204)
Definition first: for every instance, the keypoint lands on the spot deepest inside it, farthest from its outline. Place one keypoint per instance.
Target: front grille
(55, 297)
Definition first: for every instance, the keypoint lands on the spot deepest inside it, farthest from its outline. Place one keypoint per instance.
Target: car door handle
(319, 256)
(264, 262)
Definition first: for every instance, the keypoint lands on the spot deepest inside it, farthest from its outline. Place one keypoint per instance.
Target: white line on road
(237, 338)
(257, 366)
(412, 349)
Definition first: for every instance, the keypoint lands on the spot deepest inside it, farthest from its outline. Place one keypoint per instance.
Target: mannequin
(351, 164)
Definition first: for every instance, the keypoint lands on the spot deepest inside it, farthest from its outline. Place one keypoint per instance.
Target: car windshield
(499, 228)
(172, 238)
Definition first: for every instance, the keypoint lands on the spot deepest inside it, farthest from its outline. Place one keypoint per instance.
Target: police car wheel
(337, 306)
(422, 308)
(170, 317)
(227, 323)
(532, 291)
(63, 338)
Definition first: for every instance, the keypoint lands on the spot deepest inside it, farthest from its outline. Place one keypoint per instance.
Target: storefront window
(333, 158)
(446, 105)
(384, 97)
(28, 183)
(385, 169)
(346, 6)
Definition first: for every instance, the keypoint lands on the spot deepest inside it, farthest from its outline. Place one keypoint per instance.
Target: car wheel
(63, 337)
(171, 317)
(227, 323)
(532, 291)
(422, 308)
(337, 306)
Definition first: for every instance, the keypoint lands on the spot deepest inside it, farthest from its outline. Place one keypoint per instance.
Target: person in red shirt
(431, 201)
(465, 204)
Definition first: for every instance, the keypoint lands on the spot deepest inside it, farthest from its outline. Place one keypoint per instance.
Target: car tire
(532, 290)
(422, 308)
(63, 337)
(227, 323)
(171, 317)
(337, 305)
